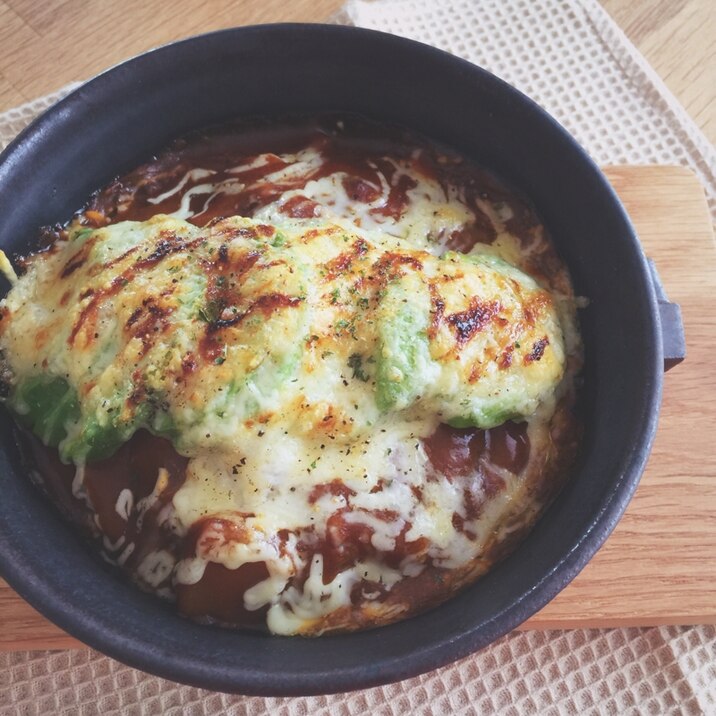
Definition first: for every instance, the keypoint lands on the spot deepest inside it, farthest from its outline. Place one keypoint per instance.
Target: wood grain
(45, 44)
(658, 566)
(678, 39)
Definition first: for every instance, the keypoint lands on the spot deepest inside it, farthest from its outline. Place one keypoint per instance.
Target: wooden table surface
(44, 44)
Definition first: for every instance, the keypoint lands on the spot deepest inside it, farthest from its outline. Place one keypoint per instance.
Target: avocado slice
(404, 368)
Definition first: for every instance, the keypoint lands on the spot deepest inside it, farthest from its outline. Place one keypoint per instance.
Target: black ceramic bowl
(117, 120)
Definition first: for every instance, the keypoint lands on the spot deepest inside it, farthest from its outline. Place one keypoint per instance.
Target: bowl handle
(672, 327)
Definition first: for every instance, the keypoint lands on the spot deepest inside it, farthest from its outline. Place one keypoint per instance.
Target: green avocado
(486, 416)
(494, 263)
(47, 405)
(404, 368)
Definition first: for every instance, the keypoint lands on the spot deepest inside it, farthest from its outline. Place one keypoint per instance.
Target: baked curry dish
(305, 377)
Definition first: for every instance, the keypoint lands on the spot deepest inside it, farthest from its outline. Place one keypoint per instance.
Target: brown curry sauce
(359, 149)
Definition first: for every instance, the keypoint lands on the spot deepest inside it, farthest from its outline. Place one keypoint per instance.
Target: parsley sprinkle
(355, 361)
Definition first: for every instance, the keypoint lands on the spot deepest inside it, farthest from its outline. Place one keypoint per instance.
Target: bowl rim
(97, 630)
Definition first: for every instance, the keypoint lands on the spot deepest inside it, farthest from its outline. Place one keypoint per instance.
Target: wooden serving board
(659, 565)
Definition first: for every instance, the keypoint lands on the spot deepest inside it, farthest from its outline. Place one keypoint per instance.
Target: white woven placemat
(570, 57)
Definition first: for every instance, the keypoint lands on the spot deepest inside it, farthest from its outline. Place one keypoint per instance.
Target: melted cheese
(212, 335)
(432, 212)
(320, 357)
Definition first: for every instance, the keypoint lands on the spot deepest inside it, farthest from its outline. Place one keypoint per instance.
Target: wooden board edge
(53, 638)
(537, 623)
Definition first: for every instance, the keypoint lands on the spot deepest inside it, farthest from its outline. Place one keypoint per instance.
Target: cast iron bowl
(117, 120)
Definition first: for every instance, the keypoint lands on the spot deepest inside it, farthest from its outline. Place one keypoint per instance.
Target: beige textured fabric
(15, 120)
(611, 671)
(569, 56)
